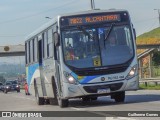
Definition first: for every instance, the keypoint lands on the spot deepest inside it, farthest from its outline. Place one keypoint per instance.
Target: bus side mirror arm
(134, 32)
(56, 39)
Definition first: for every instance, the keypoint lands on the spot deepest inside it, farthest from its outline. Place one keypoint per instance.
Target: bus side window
(50, 44)
(55, 49)
(45, 44)
(27, 52)
(36, 49)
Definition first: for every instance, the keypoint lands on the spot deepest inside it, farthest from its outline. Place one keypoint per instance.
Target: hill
(151, 37)
(11, 70)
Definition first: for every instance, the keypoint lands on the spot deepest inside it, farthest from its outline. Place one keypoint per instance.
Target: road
(141, 100)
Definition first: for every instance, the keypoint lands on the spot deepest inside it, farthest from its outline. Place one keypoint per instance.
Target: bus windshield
(97, 46)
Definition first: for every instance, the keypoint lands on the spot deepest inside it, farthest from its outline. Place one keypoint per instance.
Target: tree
(2, 79)
(156, 58)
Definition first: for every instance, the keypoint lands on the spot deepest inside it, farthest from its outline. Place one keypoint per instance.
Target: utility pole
(158, 15)
(92, 5)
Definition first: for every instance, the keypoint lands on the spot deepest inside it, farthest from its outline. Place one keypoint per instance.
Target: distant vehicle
(11, 86)
(1, 85)
(6, 87)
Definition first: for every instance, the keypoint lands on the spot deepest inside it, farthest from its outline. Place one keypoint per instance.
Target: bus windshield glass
(101, 46)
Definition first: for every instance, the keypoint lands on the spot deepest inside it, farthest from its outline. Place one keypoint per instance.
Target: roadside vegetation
(149, 87)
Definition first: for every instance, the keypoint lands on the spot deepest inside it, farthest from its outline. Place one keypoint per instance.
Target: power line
(154, 23)
(158, 15)
(145, 20)
(12, 35)
(23, 35)
(36, 14)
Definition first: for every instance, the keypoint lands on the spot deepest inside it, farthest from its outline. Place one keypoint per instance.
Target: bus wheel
(39, 100)
(53, 101)
(85, 99)
(63, 102)
(119, 96)
(94, 98)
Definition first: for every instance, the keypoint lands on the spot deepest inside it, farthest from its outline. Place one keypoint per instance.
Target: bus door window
(68, 45)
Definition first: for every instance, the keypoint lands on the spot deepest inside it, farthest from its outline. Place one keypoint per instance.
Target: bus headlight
(132, 72)
(70, 78)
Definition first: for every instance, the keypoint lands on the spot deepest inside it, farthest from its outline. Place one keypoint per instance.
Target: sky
(18, 18)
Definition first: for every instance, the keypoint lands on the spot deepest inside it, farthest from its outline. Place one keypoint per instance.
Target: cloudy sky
(18, 18)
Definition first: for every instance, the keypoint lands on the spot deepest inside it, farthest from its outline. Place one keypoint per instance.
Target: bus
(72, 57)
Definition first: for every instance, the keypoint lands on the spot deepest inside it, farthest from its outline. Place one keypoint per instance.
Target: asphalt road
(141, 100)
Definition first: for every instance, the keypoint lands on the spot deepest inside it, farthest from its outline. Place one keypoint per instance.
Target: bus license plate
(103, 91)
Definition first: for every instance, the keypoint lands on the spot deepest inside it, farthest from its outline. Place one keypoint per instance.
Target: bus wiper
(108, 33)
(85, 32)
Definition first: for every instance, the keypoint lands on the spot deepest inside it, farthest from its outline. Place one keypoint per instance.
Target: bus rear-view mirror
(134, 32)
(56, 39)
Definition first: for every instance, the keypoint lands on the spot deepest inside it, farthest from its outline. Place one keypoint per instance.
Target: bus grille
(101, 72)
(94, 89)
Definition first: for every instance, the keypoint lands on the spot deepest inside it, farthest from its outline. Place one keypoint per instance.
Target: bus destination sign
(93, 19)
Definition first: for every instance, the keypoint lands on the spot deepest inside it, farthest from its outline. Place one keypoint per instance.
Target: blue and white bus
(73, 56)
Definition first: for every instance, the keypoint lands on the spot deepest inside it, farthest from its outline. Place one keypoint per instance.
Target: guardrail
(146, 81)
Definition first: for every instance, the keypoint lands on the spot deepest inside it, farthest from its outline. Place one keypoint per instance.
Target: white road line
(24, 98)
(119, 118)
(107, 118)
(79, 109)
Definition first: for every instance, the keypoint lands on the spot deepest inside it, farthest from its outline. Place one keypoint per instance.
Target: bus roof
(54, 20)
(40, 29)
(93, 11)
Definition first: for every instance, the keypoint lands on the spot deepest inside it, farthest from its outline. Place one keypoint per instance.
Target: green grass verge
(149, 87)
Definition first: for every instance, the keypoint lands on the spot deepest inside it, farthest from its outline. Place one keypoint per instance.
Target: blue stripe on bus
(87, 79)
(84, 79)
(31, 70)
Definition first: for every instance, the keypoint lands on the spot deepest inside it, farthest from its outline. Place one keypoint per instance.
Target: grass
(149, 87)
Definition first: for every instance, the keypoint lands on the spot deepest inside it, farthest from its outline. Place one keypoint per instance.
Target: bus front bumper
(73, 91)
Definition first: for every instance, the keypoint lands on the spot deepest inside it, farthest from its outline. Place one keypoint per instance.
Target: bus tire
(53, 101)
(63, 102)
(85, 99)
(39, 100)
(119, 96)
(94, 98)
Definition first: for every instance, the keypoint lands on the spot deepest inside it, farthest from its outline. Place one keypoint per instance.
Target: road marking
(79, 109)
(119, 118)
(24, 98)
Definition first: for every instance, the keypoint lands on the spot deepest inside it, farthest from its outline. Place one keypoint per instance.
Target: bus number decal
(76, 21)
